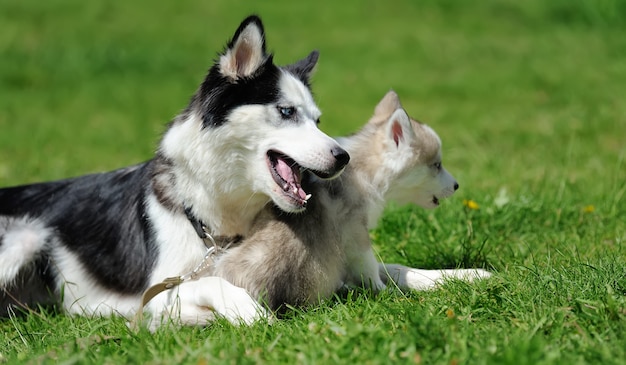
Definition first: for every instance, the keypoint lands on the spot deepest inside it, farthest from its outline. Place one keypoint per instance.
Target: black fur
(218, 96)
(33, 285)
(303, 68)
(99, 217)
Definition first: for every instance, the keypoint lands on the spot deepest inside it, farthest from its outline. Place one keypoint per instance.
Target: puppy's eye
(437, 165)
(286, 111)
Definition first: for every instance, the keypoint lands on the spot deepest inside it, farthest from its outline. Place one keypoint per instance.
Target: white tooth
(295, 190)
(307, 197)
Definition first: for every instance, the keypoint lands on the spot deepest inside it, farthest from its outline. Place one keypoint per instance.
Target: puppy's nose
(456, 186)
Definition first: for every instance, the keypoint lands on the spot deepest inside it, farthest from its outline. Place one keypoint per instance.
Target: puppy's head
(412, 157)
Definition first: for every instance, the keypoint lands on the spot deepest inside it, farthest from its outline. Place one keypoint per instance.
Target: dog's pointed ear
(245, 53)
(304, 68)
(389, 104)
(399, 128)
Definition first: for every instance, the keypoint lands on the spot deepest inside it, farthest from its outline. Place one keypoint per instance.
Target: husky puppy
(94, 243)
(298, 259)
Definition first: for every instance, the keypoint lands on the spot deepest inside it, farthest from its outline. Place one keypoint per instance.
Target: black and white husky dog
(92, 244)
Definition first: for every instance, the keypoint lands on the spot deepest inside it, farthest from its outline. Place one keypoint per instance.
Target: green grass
(528, 98)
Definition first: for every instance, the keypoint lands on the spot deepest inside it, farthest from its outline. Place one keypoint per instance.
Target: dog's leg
(363, 270)
(409, 278)
(200, 301)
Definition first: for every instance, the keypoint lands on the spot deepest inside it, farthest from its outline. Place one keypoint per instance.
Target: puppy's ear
(245, 53)
(389, 104)
(304, 68)
(399, 128)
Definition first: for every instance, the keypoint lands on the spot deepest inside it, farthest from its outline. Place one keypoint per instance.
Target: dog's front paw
(226, 300)
(198, 302)
(239, 307)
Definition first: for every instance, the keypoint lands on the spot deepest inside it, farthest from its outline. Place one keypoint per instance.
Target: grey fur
(298, 259)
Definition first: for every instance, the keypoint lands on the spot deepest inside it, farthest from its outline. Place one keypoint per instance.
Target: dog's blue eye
(286, 111)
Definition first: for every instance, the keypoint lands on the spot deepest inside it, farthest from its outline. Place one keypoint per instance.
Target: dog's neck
(219, 216)
(367, 174)
(222, 211)
(183, 178)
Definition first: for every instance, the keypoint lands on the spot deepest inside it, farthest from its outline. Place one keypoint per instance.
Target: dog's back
(35, 218)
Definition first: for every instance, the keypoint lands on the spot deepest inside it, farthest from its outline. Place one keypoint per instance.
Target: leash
(213, 250)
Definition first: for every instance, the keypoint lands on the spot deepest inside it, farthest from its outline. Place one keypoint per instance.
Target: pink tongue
(289, 175)
(285, 171)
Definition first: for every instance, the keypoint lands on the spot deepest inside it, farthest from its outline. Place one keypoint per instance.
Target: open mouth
(287, 175)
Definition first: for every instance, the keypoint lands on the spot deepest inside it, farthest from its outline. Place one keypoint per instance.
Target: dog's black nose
(456, 186)
(341, 156)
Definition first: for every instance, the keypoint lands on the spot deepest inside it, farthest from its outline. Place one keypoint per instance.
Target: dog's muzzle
(341, 161)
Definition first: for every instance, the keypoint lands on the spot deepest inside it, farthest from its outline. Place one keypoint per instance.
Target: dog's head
(261, 120)
(411, 157)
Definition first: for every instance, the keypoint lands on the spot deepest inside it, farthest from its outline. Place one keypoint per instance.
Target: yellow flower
(589, 208)
(470, 204)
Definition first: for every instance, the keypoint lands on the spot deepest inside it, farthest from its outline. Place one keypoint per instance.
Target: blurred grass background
(520, 93)
(528, 97)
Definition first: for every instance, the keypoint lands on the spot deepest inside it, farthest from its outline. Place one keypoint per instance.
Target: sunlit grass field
(528, 97)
